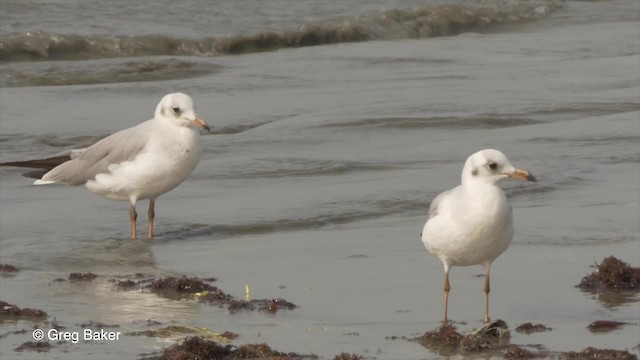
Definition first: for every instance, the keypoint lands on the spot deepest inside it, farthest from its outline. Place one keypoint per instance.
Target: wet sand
(340, 311)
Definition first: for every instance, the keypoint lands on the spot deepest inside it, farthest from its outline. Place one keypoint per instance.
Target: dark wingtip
(43, 166)
(35, 174)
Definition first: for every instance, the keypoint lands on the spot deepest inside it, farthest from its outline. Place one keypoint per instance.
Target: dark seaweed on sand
(443, 338)
(97, 325)
(593, 353)
(605, 325)
(126, 285)
(198, 348)
(7, 268)
(347, 356)
(272, 305)
(185, 287)
(194, 288)
(10, 311)
(41, 346)
(612, 274)
(518, 352)
(530, 327)
(493, 339)
(82, 276)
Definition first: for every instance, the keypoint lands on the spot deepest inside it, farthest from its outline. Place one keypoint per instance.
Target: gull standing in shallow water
(141, 162)
(472, 224)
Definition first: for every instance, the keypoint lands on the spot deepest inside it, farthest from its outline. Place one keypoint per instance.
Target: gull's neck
(480, 186)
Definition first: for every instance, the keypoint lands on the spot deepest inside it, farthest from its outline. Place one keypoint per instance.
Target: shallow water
(315, 182)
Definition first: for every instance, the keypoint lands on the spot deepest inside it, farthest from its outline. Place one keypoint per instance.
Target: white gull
(472, 224)
(138, 163)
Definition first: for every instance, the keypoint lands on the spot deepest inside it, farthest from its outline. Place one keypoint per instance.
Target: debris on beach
(492, 336)
(126, 285)
(593, 353)
(269, 305)
(612, 274)
(441, 339)
(176, 331)
(13, 312)
(229, 335)
(180, 288)
(605, 325)
(198, 348)
(193, 288)
(519, 352)
(446, 340)
(38, 346)
(262, 351)
(493, 339)
(97, 325)
(348, 356)
(8, 269)
(88, 276)
(148, 322)
(531, 327)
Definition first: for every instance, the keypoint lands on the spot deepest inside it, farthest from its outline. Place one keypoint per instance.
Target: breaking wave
(421, 22)
(92, 73)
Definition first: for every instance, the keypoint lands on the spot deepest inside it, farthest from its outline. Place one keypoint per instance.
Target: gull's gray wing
(86, 163)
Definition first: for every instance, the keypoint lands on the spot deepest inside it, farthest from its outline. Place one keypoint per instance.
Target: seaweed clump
(612, 274)
(445, 340)
(530, 328)
(347, 356)
(34, 346)
(594, 353)
(492, 336)
(198, 348)
(8, 269)
(82, 276)
(271, 306)
(186, 287)
(442, 339)
(10, 311)
(519, 352)
(126, 285)
(605, 325)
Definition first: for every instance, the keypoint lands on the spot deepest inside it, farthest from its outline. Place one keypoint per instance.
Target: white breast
(166, 161)
(472, 231)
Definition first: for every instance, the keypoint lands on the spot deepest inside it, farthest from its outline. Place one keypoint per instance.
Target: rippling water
(315, 180)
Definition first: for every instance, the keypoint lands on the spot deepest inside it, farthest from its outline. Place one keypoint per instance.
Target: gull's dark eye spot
(176, 110)
(492, 165)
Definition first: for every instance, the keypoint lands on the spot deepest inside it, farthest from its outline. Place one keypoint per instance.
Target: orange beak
(200, 123)
(524, 175)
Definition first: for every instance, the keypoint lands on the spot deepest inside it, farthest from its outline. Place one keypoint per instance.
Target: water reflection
(612, 299)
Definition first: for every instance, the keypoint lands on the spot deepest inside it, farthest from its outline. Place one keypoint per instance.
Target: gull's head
(178, 109)
(492, 166)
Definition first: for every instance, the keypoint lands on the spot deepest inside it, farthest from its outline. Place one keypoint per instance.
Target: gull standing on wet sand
(472, 224)
(141, 162)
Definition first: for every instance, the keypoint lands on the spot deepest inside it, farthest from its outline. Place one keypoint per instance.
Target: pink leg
(133, 216)
(487, 288)
(152, 214)
(447, 287)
